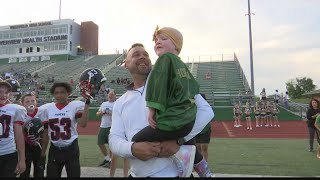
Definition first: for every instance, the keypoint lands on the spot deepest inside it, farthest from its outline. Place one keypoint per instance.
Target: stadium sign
(34, 39)
(19, 26)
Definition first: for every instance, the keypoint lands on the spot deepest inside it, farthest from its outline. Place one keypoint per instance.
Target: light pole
(60, 10)
(251, 56)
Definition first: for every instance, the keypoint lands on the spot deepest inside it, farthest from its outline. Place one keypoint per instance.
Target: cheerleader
(256, 110)
(262, 114)
(247, 111)
(275, 111)
(237, 115)
(268, 115)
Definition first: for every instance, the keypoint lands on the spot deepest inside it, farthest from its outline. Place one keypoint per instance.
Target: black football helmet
(15, 89)
(90, 82)
(33, 127)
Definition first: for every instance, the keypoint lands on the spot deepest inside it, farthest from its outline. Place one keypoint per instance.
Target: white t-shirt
(106, 119)
(62, 127)
(277, 96)
(10, 114)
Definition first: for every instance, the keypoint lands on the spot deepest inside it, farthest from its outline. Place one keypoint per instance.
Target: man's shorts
(204, 138)
(103, 136)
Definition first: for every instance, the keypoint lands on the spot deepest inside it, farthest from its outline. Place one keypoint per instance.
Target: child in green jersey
(170, 93)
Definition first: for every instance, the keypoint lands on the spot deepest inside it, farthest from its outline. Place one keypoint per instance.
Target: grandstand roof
(315, 92)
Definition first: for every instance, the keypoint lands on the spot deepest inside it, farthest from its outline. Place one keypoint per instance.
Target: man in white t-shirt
(105, 111)
(147, 159)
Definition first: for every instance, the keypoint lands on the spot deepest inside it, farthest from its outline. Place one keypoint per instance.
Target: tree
(296, 87)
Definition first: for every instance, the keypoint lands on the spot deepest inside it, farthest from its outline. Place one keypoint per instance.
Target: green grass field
(275, 157)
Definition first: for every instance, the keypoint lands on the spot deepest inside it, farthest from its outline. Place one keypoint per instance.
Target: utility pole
(60, 10)
(251, 56)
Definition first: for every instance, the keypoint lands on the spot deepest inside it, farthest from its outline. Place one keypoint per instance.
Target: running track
(225, 129)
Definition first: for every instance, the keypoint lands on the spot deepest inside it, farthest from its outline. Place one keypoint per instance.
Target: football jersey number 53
(55, 127)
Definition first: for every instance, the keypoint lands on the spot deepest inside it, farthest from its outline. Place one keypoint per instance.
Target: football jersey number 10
(5, 120)
(55, 128)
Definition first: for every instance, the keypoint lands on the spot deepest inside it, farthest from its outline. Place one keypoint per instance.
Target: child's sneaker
(184, 160)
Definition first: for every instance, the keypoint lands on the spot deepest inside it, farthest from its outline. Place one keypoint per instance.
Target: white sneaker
(251, 128)
(184, 160)
(278, 125)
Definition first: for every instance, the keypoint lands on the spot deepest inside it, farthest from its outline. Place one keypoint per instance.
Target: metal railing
(298, 109)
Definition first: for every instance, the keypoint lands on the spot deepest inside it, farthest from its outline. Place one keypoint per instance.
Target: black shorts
(8, 163)
(204, 138)
(65, 156)
(33, 154)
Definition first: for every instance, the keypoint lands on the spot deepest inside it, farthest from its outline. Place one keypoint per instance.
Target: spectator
(105, 111)
(312, 113)
(276, 97)
(71, 82)
(208, 75)
(285, 100)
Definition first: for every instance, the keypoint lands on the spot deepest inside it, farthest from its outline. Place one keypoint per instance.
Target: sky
(285, 33)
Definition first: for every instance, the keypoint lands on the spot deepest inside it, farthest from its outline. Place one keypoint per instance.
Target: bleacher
(118, 72)
(225, 82)
(66, 70)
(221, 90)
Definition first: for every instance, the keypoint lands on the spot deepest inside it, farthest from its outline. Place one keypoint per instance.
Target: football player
(62, 126)
(15, 94)
(12, 147)
(35, 144)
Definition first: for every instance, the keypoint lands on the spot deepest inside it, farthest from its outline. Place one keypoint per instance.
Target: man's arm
(204, 115)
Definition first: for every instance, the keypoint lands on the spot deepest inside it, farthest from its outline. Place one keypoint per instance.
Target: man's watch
(180, 141)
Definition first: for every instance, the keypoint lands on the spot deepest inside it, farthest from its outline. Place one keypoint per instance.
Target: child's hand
(151, 118)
